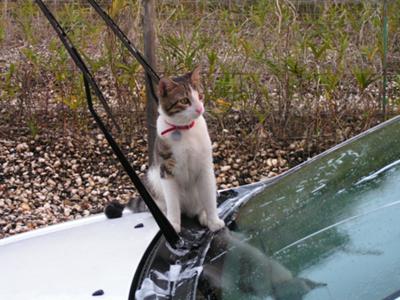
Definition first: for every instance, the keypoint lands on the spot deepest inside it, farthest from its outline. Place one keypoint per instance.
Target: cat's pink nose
(199, 110)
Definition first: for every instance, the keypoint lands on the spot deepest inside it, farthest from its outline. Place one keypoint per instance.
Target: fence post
(384, 58)
(149, 52)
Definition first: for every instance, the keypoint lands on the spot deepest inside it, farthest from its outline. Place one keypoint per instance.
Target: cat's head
(181, 98)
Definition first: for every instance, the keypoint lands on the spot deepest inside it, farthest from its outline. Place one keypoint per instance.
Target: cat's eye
(201, 97)
(185, 101)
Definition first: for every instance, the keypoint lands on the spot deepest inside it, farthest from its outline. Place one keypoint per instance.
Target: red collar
(177, 127)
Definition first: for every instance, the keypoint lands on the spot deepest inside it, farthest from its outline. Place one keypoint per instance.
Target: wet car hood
(338, 209)
(75, 259)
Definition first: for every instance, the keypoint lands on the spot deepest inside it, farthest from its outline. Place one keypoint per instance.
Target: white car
(327, 229)
(75, 259)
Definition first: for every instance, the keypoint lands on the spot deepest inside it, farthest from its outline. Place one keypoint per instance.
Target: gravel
(65, 172)
(51, 179)
(60, 176)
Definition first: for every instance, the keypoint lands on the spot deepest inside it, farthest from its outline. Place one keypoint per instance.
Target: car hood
(74, 259)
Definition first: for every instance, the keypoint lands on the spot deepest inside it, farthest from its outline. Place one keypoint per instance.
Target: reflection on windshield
(334, 221)
(241, 271)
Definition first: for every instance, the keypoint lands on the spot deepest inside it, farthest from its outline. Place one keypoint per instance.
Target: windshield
(327, 231)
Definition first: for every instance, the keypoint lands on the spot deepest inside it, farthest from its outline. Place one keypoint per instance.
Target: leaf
(116, 7)
(318, 50)
(274, 68)
(364, 76)
(2, 33)
(222, 102)
(30, 55)
(33, 127)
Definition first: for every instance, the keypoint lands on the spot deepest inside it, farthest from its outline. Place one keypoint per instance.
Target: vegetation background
(296, 69)
(284, 79)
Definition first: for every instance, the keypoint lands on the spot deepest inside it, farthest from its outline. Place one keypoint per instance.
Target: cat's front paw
(215, 225)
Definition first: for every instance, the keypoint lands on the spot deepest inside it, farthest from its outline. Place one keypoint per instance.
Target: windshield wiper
(125, 41)
(151, 75)
(165, 226)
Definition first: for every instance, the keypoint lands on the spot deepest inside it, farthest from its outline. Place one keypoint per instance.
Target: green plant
(365, 77)
(182, 52)
(33, 126)
(24, 13)
(292, 68)
(9, 85)
(2, 32)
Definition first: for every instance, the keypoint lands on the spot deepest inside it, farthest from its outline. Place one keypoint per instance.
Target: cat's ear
(195, 75)
(165, 86)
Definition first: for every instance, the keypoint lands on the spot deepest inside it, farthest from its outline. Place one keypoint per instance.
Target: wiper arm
(127, 43)
(165, 226)
(78, 60)
(151, 74)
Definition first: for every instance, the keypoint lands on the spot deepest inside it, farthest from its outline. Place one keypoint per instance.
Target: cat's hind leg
(171, 196)
(203, 218)
(207, 192)
(213, 226)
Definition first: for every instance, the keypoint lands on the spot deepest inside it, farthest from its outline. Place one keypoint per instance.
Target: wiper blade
(78, 60)
(165, 226)
(151, 74)
(127, 43)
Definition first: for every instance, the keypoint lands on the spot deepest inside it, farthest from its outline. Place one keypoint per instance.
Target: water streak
(377, 173)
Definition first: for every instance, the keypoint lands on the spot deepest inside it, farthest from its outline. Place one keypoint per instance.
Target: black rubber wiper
(165, 226)
(151, 75)
(127, 43)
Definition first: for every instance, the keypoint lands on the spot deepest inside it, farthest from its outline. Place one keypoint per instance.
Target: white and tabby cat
(182, 177)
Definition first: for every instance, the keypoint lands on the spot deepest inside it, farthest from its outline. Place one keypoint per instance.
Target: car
(326, 229)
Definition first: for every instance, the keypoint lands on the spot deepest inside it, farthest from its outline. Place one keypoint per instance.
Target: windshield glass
(327, 231)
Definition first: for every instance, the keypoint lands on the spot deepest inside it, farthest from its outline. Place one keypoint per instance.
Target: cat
(182, 178)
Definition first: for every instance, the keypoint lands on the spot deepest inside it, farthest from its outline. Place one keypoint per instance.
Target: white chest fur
(192, 150)
(192, 188)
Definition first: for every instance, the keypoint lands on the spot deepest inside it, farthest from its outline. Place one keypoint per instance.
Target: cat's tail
(152, 183)
(114, 209)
